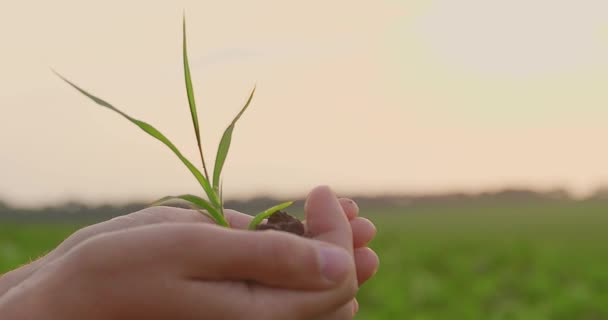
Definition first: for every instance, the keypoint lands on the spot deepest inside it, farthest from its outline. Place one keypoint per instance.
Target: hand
(187, 271)
(363, 230)
(325, 225)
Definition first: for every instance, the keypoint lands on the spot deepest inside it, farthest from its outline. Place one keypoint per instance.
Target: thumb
(325, 218)
(270, 258)
(327, 222)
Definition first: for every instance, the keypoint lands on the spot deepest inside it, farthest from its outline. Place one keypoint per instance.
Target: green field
(479, 261)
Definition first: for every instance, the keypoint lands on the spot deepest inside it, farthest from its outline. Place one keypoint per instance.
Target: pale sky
(366, 96)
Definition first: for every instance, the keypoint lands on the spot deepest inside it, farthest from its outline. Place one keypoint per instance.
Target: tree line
(83, 213)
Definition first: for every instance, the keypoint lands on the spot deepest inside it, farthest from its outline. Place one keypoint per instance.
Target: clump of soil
(282, 221)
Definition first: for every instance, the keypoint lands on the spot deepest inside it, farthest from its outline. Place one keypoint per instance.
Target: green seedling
(213, 206)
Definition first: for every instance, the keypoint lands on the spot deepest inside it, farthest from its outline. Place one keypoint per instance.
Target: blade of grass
(267, 213)
(221, 192)
(191, 102)
(198, 203)
(149, 129)
(221, 195)
(224, 146)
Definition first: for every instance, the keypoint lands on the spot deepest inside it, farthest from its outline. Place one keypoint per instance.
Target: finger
(163, 214)
(350, 207)
(143, 217)
(367, 262)
(326, 220)
(305, 305)
(274, 261)
(262, 302)
(363, 231)
(209, 252)
(146, 216)
(170, 214)
(237, 219)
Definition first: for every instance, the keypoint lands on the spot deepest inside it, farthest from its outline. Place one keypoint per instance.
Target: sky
(370, 97)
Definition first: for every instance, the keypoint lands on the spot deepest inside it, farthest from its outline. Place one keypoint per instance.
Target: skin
(169, 263)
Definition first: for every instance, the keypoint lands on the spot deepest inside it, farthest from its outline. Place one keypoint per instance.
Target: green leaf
(198, 203)
(267, 213)
(191, 102)
(222, 150)
(159, 136)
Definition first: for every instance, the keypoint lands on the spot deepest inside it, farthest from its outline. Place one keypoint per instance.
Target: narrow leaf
(191, 102)
(198, 203)
(265, 214)
(224, 146)
(159, 136)
(222, 153)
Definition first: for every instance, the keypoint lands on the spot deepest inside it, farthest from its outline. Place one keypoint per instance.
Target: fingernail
(334, 262)
(355, 306)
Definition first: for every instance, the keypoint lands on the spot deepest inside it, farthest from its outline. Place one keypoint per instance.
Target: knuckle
(88, 256)
(160, 214)
(149, 215)
(79, 236)
(124, 221)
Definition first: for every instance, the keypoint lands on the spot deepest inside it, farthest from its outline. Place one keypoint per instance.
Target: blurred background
(473, 133)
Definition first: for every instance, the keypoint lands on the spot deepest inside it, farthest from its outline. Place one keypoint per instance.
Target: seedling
(213, 205)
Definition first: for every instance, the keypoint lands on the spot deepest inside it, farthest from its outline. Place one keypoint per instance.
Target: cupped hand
(363, 231)
(188, 271)
(319, 217)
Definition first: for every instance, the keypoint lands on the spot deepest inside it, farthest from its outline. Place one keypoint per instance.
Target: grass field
(479, 261)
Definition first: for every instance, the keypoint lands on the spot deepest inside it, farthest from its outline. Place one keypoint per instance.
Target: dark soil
(282, 221)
